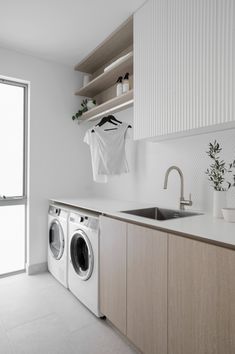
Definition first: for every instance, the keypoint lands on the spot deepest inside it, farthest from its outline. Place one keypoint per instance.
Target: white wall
(149, 161)
(59, 164)
(58, 159)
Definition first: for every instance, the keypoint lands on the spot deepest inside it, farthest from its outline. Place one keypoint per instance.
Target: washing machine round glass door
(56, 239)
(81, 255)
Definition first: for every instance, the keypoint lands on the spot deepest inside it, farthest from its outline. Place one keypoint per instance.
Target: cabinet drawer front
(201, 298)
(147, 289)
(113, 271)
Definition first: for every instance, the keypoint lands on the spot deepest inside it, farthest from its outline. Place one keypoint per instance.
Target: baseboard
(5, 275)
(36, 268)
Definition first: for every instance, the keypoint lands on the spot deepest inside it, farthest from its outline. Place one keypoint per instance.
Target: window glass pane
(12, 140)
(12, 238)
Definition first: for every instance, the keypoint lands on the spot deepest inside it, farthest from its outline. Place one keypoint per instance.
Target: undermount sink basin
(160, 214)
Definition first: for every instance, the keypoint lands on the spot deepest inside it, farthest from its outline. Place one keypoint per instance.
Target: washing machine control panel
(91, 223)
(88, 221)
(53, 210)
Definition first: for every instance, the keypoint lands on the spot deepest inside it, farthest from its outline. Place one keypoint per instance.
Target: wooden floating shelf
(116, 104)
(108, 49)
(107, 78)
(118, 46)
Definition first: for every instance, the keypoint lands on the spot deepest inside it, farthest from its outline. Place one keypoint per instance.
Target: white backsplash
(148, 162)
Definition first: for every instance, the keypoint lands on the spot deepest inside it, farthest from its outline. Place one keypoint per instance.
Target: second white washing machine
(83, 256)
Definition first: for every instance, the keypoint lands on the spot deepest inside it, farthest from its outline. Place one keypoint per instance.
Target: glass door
(13, 173)
(56, 239)
(81, 253)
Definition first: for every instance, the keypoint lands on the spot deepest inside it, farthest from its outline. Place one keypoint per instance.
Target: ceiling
(64, 31)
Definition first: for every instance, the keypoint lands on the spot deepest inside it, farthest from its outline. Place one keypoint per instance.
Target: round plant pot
(219, 202)
(90, 104)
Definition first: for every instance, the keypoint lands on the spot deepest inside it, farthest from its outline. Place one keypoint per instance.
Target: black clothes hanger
(112, 118)
(118, 121)
(109, 119)
(105, 120)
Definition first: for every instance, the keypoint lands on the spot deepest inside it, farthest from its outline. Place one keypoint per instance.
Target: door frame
(21, 200)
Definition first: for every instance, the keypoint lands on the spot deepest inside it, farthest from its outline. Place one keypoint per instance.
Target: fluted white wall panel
(183, 66)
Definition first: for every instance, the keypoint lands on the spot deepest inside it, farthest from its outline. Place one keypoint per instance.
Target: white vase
(219, 202)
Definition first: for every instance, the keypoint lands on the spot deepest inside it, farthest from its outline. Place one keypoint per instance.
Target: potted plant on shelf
(217, 174)
(86, 105)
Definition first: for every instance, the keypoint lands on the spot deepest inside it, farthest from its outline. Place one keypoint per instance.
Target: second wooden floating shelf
(116, 104)
(107, 78)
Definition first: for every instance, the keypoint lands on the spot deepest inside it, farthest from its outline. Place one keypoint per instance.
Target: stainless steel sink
(160, 214)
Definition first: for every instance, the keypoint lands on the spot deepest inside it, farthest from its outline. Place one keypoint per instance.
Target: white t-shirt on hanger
(90, 139)
(107, 146)
(111, 146)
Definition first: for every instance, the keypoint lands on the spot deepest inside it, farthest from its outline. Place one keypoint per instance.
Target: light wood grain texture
(113, 271)
(108, 49)
(147, 289)
(106, 95)
(110, 93)
(113, 105)
(119, 55)
(107, 78)
(201, 298)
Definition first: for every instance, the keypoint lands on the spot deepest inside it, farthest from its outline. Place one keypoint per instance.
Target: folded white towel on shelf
(118, 61)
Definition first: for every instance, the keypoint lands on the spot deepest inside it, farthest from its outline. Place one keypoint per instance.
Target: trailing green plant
(83, 109)
(219, 170)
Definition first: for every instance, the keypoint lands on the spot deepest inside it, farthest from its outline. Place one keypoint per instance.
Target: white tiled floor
(39, 316)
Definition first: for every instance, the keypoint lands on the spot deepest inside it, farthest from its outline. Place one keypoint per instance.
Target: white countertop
(203, 227)
(103, 206)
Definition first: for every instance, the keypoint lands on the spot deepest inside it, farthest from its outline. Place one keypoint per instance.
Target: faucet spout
(183, 202)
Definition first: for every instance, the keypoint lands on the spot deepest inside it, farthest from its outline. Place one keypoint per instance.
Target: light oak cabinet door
(147, 289)
(113, 271)
(201, 298)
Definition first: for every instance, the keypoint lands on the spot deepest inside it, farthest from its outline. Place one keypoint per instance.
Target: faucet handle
(187, 202)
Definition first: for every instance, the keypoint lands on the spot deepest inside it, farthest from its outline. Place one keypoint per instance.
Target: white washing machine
(83, 265)
(57, 243)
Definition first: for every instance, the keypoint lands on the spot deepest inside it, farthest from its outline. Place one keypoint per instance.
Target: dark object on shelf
(126, 77)
(109, 119)
(119, 80)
